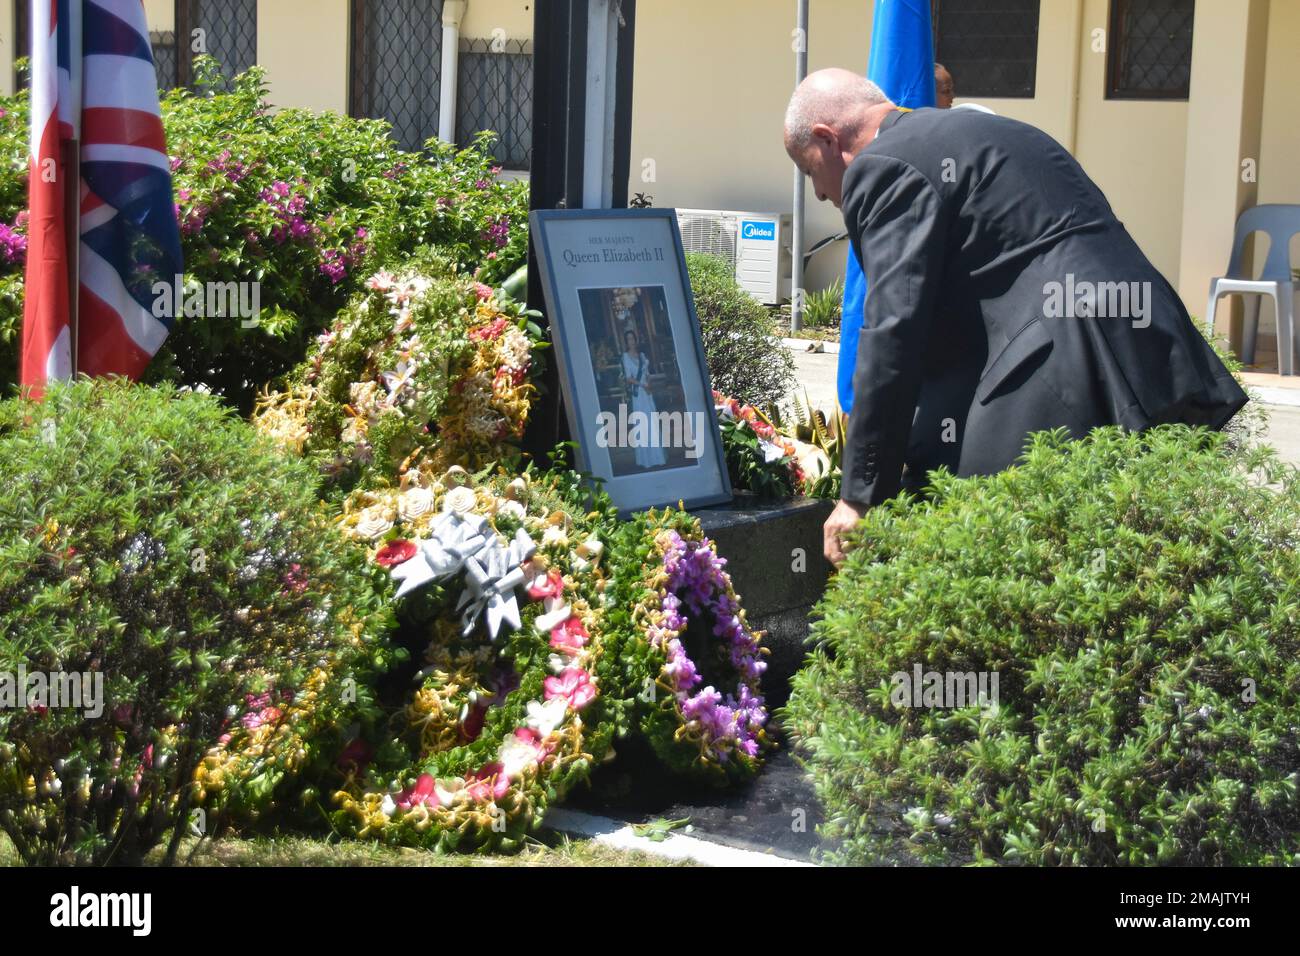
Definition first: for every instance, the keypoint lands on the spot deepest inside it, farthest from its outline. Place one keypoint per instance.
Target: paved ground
(816, 374)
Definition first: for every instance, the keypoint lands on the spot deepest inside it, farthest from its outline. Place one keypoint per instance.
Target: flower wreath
(425, 362)
(763, 460)
(675, 583)
(510, 710)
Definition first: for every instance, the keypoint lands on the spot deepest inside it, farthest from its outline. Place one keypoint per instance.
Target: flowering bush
(520, 693)
(14, 148)
(306, 205)
(687, 637)
(745, 359)
(423, 364)
(153, 545)
(1136, 597)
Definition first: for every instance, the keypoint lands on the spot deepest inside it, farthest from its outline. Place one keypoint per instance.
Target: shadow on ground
(775, 813)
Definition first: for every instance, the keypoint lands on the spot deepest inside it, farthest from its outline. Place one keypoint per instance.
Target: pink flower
(268, 715)
(295, 579)
(421, 793)
(574, 685)
(488, 333)
(570, 636)
(552, 585)
(488, 783)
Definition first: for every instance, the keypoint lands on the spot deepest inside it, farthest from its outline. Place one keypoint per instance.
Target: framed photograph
(631, 362)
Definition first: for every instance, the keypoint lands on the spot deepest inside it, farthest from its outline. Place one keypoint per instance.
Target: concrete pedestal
(774, 555)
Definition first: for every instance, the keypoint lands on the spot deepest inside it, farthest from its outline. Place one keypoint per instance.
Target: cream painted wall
(709, 93)
(303, 44)
(693, 104)
(1279, 161)
(515, 17)
(1134, 150)
(1059, 50)
(160, 14)
(7, 46)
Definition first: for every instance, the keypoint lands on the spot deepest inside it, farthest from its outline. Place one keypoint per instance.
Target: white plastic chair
(1281, 222)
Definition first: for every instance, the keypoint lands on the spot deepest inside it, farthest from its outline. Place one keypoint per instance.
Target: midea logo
(758, 230)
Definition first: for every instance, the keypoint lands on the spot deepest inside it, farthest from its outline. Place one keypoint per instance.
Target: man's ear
(825, 136)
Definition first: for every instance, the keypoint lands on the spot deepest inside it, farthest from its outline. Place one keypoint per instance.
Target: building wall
(1279, 161)
(160, 14)
(710, 89)
(7, 46)
(303, 44)
(484, 17)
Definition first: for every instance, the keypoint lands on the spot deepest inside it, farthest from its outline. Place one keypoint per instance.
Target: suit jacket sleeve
(899, 223)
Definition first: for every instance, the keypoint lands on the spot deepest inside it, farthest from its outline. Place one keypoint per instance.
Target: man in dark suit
(1003, 296)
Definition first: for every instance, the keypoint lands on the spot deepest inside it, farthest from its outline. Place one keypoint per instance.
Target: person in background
(943, 87)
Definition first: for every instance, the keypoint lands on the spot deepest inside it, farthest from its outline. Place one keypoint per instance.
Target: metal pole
(453, 12)
(72, 184)
(796, 239)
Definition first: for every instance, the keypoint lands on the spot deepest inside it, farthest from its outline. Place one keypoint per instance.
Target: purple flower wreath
(700, 727)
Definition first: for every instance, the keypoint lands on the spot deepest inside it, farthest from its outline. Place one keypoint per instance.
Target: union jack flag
(93, 87)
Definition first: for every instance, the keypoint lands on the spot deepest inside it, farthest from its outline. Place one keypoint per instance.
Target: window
(395, 75)
(224, 29)
(229, 33)
(1149, 55)
(396, 59)
(496, 93)
(989, 46)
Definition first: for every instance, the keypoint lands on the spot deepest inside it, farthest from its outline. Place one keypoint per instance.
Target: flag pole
(72, 217)
(72, 179)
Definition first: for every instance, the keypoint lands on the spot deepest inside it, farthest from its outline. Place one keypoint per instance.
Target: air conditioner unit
(755, 244)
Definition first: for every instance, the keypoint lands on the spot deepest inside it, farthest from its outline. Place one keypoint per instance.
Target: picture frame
(631, 362)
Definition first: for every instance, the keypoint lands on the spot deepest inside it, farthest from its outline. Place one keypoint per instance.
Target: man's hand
(843, 519)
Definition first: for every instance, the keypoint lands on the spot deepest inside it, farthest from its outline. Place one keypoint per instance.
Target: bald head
(833, 97)
(832, 116)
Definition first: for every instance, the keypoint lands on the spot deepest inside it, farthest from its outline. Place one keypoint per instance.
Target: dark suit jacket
(978, 235)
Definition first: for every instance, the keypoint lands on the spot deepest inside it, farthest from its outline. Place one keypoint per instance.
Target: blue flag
(901, 64)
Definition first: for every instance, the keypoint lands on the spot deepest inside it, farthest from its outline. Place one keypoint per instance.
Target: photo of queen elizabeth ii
(636, 376)
(642, 400)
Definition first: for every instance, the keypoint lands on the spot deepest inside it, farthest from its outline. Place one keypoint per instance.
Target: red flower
(472, 726)
(395, 553)
(355, 755)
(421, 792)
(295, 579)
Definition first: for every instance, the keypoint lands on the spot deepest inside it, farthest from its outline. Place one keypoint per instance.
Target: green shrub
(14, 146)
(1138, 597)
(822, 309)
(149, 537)
(746, 361)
